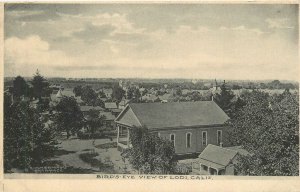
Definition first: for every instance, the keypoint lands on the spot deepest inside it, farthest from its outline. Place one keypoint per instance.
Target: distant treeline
(97, 84)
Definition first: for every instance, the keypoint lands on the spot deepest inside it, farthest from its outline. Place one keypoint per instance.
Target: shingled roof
(217, 155)
(175, 115)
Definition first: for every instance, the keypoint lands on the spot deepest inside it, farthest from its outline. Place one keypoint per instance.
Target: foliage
(149, 153)
(27, 142)
(90, 97)
(77, 90)
(40, 86)
(69, 117)
(101, 94)
(117, 94)
(94, 121)
(43, 104)
(90, 158)
(134, 95)
(130, 93)
(20, 87)
(267, 127)
(224, 98)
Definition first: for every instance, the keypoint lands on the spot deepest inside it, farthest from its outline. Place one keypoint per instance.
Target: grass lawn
(107, 145)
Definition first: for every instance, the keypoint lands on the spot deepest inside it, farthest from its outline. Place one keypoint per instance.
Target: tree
(223, 99)
(77, 90)
(137, 95)
(43, 105)
(40, 86)
(69, 117)
(27, 142)
(268, 128)
(130, 92)
(20, 87)
(94, 121)
(149, 153)
(90, 97)
(117, 94)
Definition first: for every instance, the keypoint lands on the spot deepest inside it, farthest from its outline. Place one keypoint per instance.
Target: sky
(201, 41)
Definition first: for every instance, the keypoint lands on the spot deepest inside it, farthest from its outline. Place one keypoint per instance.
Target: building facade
(191, 126)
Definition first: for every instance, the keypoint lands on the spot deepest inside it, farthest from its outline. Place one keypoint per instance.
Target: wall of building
(229, 170)
(196, 138)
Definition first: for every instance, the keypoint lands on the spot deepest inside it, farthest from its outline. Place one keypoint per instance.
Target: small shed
(216, 160)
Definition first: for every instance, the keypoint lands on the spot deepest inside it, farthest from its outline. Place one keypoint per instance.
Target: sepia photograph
(176, 89)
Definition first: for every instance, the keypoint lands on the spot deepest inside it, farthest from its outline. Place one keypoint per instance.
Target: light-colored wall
(196, 139)
(229, 170)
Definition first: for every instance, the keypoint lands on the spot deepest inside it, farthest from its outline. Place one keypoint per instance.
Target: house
(86, 108)
(191, 126)
(217, 160)
(110, 105)
(116, 112)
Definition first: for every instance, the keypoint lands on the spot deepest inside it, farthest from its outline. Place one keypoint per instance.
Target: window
(204, 138)
(172, 138)
(188, 140)
(219, 137)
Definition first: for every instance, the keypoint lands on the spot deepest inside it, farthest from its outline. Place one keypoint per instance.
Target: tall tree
(224, 98)
(130, 93)
(69, 117)
(269, 129)
(90, 97)
(94, 121)
(20, 87)
(137, 95)
(27, 142)
(150, 153)
(118, 93)
(40, 86)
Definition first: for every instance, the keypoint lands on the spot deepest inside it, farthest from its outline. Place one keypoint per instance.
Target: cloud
(92, 33)
(190, 41)
(28, 54)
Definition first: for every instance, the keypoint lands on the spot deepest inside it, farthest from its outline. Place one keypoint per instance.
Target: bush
(150, 154)
(90, 158)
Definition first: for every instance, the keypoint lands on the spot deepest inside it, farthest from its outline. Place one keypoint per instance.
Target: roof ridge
(224, 148)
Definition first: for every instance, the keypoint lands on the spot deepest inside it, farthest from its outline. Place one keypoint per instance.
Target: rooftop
(217, 155)
(176, 114)
(111, 105)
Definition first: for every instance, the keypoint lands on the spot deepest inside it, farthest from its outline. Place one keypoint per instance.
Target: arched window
(188, 139)
(219, 137)
(172, 138)
(204, 138)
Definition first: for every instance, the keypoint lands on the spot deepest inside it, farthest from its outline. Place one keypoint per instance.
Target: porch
(123, 134)
(204, 167)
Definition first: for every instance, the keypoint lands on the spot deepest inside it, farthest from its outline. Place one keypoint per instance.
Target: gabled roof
(217, 155)
(59, 94)
(110, 105)
(175, 115)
